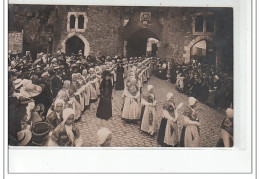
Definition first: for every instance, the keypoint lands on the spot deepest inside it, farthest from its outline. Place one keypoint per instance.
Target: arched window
(81, 22)
(72, 21)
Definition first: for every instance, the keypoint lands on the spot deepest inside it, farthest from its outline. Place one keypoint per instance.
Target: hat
(103, 67)
(84, 72)
(149, 87)
(13, 63)
(78, 75)
(17, 83)
(24, 137)
(31, 90)
(58, 101)
(38, 66)
(54, 60)
(102, 135)
(45, 74)
(229, 113)
(169, 96)
(91, 70)
(79, 62)
(26, 82)
(66, 113)
(216, 77)
(133, 81)
(13, 70)
(74, 75)
(98, 69)
(192, 101)
(40, 133)
(56, 67)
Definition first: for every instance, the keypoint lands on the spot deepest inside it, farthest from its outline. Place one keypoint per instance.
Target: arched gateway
(187, 48)
(75, 42)
(136, 43)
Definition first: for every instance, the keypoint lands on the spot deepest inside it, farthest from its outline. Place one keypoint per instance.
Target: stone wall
(106, 34)
(102, 31)
(35, 23)
(178, 38)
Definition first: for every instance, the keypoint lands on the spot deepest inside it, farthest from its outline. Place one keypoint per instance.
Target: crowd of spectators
(210, 85)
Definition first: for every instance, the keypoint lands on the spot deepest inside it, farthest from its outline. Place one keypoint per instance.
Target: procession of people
(48, 96)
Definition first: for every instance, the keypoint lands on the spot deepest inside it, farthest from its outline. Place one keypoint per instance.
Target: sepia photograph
(120, 76)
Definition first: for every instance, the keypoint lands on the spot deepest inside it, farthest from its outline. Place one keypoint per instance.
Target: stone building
(183, 33)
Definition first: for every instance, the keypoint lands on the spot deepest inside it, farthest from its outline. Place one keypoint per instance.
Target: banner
(15, 42)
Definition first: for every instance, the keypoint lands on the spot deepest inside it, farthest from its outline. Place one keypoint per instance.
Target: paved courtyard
(130, 135)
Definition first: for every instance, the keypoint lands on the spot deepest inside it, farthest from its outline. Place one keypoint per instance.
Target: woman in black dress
(120, 76)
(104, 110)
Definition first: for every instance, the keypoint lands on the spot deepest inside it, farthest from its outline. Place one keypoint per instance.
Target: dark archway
(137, 42)
(74, 45)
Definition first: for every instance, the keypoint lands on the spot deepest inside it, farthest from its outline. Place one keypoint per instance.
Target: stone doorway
(74, 45)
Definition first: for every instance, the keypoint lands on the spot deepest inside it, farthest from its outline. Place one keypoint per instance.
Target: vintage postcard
(112, 76)
(93, 76)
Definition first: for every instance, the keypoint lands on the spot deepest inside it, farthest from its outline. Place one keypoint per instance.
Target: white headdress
(192, 101)
(149, 87)
(58, 101)
(169, 96)
(102, 135)
(229, 113)
(66, 113)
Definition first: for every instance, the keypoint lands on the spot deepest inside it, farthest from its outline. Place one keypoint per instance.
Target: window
(204, 24)
(81, 22)
(199, 24)
(72, 21)
(210, 24)
(77, 21)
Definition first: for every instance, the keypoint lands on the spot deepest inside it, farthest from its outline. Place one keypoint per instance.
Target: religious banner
(15, 42)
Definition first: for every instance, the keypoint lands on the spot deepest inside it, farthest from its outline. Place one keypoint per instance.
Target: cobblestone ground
(130, 135)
